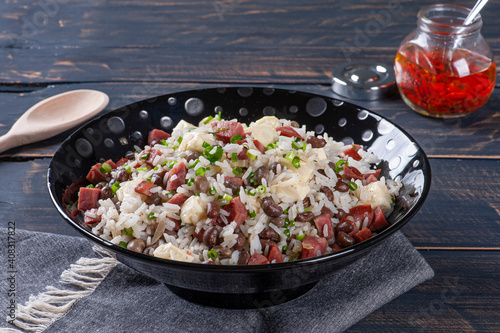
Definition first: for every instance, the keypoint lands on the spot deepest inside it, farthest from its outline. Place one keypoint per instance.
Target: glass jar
(445, 69)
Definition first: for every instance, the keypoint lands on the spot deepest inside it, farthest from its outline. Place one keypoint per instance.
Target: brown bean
(344, 240)
(345, 227)
(304, 217)
(210, 236)
(341, 186)
(106, 193)
(328, 192)
(136, 245)
(232, 185)
(150, 249)
(201, 184)
(261, 173)
(222, 252)
(193, 155)
(306, 202)
(270, 233)
(322, 172)
(332, 165)
(340, 214)
(271, 208)
(278, 221)
(316, 142)
(275, 166)
(157, 179)
(266, 242)
(122, 175)
(244, 257)
(326, 210)
(294, 124)
(213, 210)
(240, 242)
(154, 199)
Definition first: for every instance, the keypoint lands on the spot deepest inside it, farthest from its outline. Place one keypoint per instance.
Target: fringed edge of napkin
(82, 278)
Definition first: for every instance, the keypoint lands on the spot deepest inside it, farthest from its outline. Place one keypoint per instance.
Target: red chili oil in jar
(444, 69)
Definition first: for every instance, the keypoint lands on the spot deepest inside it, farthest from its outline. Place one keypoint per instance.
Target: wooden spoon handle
(7, 142)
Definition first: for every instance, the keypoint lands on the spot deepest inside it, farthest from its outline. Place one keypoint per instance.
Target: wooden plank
(462, 210)
(196, 41)
(475, 136)
(464, 296)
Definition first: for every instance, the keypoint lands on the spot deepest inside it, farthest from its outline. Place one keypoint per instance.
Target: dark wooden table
(138, 49)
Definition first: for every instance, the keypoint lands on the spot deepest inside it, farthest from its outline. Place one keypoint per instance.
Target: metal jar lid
(363, 80)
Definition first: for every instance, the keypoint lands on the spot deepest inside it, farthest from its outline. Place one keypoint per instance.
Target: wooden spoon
(53, 116)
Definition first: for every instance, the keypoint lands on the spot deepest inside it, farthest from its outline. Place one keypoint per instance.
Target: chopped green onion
(213, 156)
(308, 209)
(208, 119)
(105, 168)
(128, 231)
(252, 214)
(300, 237)
(156, 168)
(115, 187)
(169, 164)
(353, 186)
(235, 138)
(303, 146)
(194, 164)
(393, 198)
(164, 142)
(237, 170)
(234, 157)
(129, 170)
(339, 165)
(251, 175)
(285, 211)
(296, 162)
(206, 145)
(190, 182)
(151, 216)
(123, 244)
(200, 171)
(251, 156)
(90, 186)
(290, 156)
(261, 189)
(148, 179)
(354, 147)
(287, 233)
(284, 248)
(179, 140)
(295, 257)
(212, 254)
(251, 192)
(145, 156)
(227, 197)
(142, 169)
(212, 190)
(171, 192)
(271, 146)
(296, 146)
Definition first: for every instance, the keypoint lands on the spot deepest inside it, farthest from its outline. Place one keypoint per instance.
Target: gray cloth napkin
(119, 299)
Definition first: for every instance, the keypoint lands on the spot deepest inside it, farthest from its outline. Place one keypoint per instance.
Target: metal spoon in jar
(53, 116)
(475, 11)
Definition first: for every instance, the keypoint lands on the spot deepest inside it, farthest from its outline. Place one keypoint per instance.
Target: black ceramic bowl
(113, 134)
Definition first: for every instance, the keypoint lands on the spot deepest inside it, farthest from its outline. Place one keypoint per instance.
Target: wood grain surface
(133, 50)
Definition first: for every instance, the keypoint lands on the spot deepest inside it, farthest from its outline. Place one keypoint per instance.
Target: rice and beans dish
(226, 193)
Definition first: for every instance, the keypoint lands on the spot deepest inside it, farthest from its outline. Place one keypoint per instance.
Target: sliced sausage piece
(237, 211)
(179, 170)
(242, 155)
(379, 222)
(225, 130)
(275, 254)
(88, 197)
(313, 246)
(234, 179)
(259, 146)
(359, 213)
(363, 235)
(122, 161)
(288, 131)
(178, 199)
(352, 152)
(95, 176)
(257, 259)
(144, 188)
(92, 219)
(320, 221)
(157, 135)
(352, 172)
(148, 156)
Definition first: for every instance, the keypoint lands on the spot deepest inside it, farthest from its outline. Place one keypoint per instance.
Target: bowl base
(241, 301)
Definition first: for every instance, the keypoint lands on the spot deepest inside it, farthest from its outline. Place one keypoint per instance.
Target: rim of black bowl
(337, 255)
